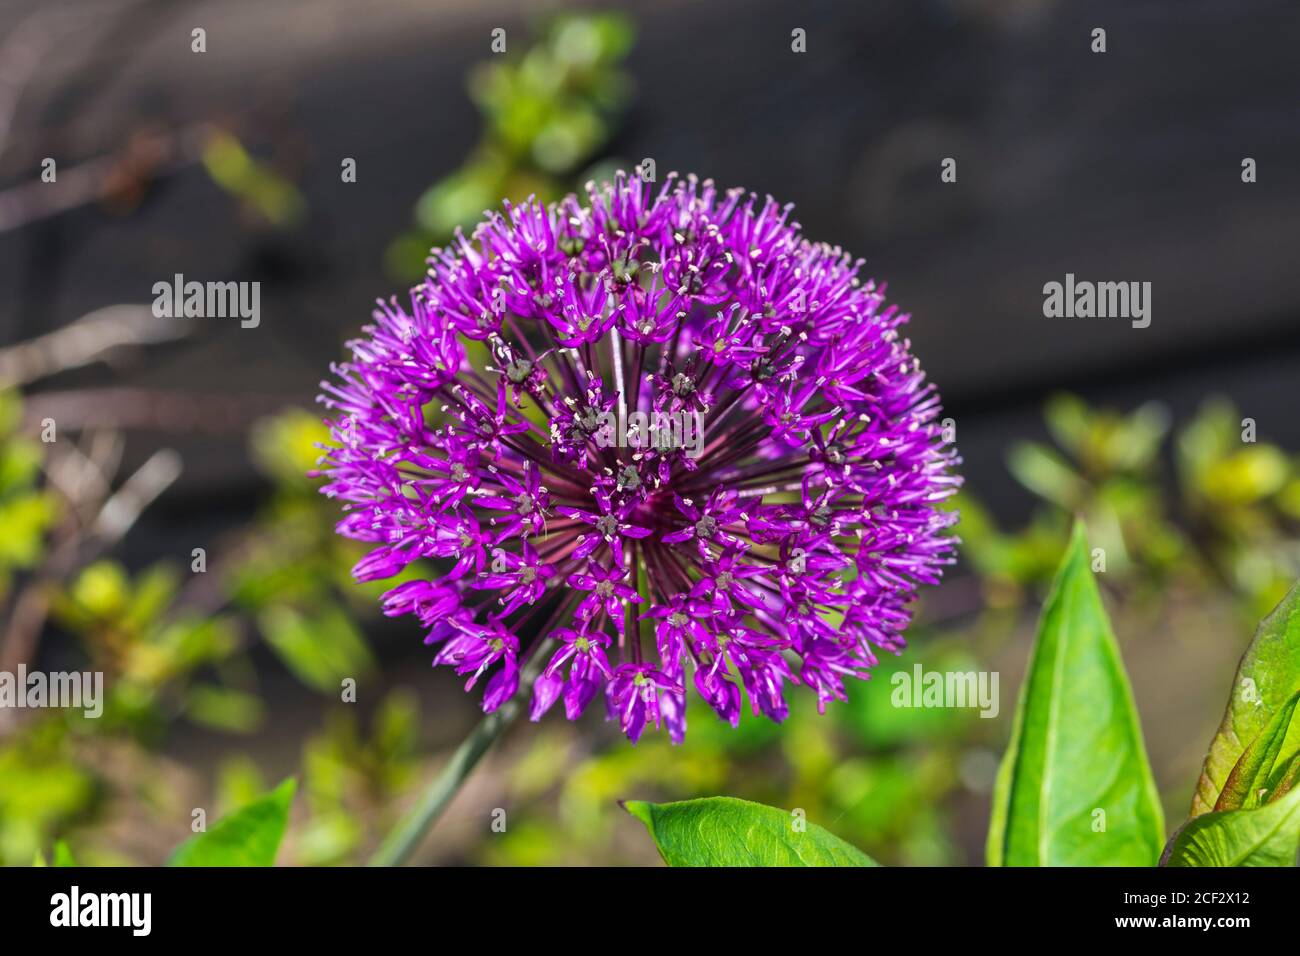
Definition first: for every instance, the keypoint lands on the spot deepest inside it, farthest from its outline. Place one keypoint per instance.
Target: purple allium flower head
(659, 430)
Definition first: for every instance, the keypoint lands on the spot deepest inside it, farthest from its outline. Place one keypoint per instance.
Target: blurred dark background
(225, 165)
(1120, 166)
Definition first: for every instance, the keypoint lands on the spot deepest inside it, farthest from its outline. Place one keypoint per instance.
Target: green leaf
(724, 831)
(1242, 789)
(286, 446)
(223, 708)
(248, 837)
(1046, 473)
(1268, 836)
(1076, 744)
(62, 856)
(102, 590)
(25, 518)
(1069, 421)
(1268, 675)
(1284, 779)
(321, 649)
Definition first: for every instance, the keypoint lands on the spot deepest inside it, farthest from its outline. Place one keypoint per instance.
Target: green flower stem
(405, 837)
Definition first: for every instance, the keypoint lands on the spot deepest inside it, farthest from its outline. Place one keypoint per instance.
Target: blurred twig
(124, 508)
(89, 338)
(114, 517)
(20, 55)
(155, 409)
(145, 157)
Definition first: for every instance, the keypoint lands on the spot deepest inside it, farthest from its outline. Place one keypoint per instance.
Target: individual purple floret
(655, 431)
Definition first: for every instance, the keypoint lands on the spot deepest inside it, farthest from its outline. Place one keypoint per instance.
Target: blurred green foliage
(352, 781)
(27, 511)
(1194, 510)
(874, 773)
(158, 662)
(893, 779)
(260, 189)
(1225, 515)
(547, 113)
(42, 790)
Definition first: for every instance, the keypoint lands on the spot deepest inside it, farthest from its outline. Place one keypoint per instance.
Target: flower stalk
(403, 840)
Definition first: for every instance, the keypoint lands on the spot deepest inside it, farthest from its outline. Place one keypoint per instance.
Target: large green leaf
(1268, 675)
(248, 837)
(1260, 764)
(1074, 788)
(1268, 836)
(724, 831)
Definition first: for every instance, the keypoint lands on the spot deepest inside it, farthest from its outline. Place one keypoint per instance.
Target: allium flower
(660, 431)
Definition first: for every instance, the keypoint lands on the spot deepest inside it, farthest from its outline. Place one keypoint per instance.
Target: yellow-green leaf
(1268, 675)
(1268, 836)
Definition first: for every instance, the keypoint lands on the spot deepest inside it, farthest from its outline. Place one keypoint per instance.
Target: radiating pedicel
(783, 548)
